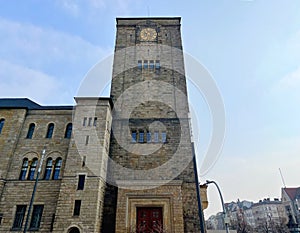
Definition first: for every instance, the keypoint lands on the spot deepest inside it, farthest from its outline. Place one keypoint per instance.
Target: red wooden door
(149, 220)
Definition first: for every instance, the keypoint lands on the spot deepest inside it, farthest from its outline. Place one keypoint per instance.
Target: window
(74, 230)
(57, 168)
(163, 137)
(151, 65)
(133, 136)
(48, 169)
(156, 136)
(36, 217)
(90, 121)
(68, 132)
(157, 64)
(50, 130)
(146, 64)
(141, 136)
(148, 136)
(19, 216)
(84, 121)
(95, 121)
(1, 216)
(24, 169)
(30, 130)
(87, 138)
(140, 66)
(81, 180)
(32, 169)
(77, 208)
(1, 124)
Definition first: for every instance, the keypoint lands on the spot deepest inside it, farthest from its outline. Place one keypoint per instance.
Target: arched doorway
(74, 230)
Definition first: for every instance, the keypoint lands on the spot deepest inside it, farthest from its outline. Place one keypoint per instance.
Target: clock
(148, 34)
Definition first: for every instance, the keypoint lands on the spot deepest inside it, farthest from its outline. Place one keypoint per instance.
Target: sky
(250, 48)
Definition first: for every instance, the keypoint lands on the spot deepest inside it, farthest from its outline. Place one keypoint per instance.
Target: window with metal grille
(36, 217)
(19, 217)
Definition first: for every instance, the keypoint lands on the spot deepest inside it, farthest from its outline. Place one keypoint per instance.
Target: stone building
(118, 164)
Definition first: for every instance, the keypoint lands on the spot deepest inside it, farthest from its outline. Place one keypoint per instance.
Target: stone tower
(151, 171)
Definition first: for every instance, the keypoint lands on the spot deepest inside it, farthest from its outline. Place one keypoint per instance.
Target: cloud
(18, 81)
(44, 54)
(290, 81)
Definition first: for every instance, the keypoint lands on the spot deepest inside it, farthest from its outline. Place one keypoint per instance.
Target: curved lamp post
(223, 206)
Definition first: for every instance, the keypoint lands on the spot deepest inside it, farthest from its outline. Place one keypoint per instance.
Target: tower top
(138, 20)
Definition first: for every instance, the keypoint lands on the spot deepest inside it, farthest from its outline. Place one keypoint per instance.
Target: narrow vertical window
(140, 65)
(146, 64)
(36, 217)
(141, 136)
(87, 138)
(163, 137)
(1, 216)
(19, 216)
(81, 181)
(30, 130)
(156, 136)
(50, 130)
(1, 124)
(133, 136)
(84, 121)
(32, 169)
(77, 206)
(24, 169)
(95, 121)
(157, 64)
(148, 136)
(151, 65)
(68, 132)
(90, 121)
(48, 170)
(57, 168)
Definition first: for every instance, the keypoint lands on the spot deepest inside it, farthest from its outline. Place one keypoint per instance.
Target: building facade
(118, 164)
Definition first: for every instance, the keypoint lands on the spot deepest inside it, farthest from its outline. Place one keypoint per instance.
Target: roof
(28, 104)
(293, 193)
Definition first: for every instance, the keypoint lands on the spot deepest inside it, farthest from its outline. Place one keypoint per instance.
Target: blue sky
(251, 48)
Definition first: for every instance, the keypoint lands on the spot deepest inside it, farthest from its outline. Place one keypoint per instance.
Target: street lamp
(223, 206)
(34, 189)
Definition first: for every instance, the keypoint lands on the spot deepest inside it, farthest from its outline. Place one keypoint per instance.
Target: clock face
(148, 34)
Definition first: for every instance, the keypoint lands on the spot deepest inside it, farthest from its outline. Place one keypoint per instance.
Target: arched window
(48, 169)
(24, 169)
(32, 169)
(30, 130)
(50, 130)
(1, 124)
(57, 168)
(74, 230)
(68, 132)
